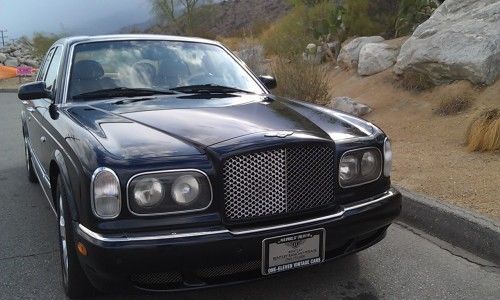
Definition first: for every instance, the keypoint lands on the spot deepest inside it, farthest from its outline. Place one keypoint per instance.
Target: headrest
(87, 70)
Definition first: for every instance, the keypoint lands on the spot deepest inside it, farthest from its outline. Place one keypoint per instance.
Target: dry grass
(483, 133)
(414, 82)
(454, 104)
(302, 81)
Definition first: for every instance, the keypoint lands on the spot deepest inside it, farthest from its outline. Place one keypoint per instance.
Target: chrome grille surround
(280, 181)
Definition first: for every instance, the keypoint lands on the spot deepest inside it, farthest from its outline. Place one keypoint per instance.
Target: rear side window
(53, 69)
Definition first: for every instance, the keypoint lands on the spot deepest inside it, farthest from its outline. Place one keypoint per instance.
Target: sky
(23, 17)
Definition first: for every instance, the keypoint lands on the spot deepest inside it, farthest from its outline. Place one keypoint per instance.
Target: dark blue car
(169, 165)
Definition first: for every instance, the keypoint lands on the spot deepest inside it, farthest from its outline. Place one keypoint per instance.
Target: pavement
(407, 264)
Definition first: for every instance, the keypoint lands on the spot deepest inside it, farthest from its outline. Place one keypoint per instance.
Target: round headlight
(368, 163)
(148, 192)
(185, 189)
(348, 168)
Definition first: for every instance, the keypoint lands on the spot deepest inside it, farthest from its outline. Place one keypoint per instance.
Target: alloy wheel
(62, 235)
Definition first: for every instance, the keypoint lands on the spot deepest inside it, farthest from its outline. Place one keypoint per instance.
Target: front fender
(66, 183)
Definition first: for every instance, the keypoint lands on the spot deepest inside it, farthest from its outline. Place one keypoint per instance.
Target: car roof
(120, 37)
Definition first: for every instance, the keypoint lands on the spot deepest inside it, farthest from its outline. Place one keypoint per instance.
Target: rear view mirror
(268, 81)
(33, 90)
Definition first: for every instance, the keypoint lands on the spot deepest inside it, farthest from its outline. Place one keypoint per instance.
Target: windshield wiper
(123, 92)
(209, 89)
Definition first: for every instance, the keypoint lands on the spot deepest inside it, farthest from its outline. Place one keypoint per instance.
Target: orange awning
(7, 72)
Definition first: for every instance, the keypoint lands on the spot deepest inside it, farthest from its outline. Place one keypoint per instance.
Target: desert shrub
(390, 18)
(304, 24)
(42, 42)
(300, 80)
(414, 81)
(289, 35)
(483, 132)
(454, 104)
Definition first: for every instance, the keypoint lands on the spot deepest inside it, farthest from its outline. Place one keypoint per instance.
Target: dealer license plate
(293, 251)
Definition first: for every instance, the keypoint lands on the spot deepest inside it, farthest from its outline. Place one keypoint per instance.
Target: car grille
(280, 181)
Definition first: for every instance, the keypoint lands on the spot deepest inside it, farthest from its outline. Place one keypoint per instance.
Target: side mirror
(33, 90)
(268, 81)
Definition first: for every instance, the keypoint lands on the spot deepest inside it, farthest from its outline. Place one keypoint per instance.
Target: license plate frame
(301, 244)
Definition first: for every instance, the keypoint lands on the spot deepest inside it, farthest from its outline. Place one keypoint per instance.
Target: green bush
(390, 18)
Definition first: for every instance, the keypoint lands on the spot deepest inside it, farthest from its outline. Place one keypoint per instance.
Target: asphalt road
(406, 265)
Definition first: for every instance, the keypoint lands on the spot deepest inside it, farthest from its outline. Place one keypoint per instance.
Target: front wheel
(75, 282)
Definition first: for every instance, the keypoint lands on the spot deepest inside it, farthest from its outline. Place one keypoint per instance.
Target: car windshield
(122, 68)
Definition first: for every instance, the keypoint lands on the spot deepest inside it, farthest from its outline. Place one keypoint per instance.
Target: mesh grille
(226, 270)
(278, 181)
(156, 278)
(248, 179)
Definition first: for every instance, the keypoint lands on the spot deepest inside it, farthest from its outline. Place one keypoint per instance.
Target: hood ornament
(279, 134)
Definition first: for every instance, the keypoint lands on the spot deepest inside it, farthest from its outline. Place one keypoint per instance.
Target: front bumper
(214, 256)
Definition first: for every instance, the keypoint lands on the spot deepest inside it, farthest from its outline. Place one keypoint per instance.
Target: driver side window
(53, 69)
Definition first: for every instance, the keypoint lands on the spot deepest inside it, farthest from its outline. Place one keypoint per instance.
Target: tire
(29, 164)
(75, 282)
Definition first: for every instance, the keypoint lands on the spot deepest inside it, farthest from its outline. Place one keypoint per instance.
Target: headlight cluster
(169, 192)
(359, 167)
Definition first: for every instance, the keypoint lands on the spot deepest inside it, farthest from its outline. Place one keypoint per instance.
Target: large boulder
(349, 53)
(3, 58)
(461, 40)
(376, 57)
(349, 106)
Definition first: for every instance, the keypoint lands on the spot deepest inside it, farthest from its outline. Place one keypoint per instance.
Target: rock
(335, 48)
(311, 49)
(17, 53)
(313, 54)
(29, 62)
(3, 58)
(349, 106)
(11, 62)
(349, 53)
(376, 57)
(461, 40)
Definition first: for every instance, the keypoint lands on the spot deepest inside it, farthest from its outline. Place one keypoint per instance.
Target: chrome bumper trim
(90, 235)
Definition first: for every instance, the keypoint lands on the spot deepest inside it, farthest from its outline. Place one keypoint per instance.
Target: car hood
(178, 124)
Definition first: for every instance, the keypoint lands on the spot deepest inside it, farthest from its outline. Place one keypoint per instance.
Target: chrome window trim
(91, 235)
(169, 213)
(96, 172)
(367, 182)
(69, 61)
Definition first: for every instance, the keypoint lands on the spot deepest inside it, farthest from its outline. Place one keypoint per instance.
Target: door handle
(43, 139)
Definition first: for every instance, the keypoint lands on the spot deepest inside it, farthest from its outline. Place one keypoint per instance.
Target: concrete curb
(8, 91)
(457, 226)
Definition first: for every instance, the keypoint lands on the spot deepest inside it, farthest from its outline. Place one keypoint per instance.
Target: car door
(34, 118)
(47, 142)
